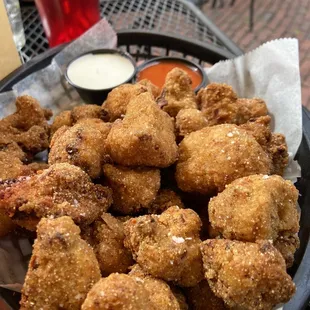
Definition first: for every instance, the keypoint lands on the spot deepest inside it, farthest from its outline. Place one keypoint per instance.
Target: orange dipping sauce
(156, 72)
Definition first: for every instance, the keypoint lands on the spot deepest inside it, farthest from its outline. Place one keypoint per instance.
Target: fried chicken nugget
(213, 157)
(220, 105)
(62, 189)
(177, 93)
(118, 99)
(273, 143)
(153, 89)
(6, 224)
(161, 294)
(118, 292)
(246, 275)
(106, 236)
(167, 246)
(256, 207)
(62, 119)
(82, 145)
(200, 297)
(27, 127)
(133, 189)
(165, 199)
(145, 137)
(189, 120)
(62, 269)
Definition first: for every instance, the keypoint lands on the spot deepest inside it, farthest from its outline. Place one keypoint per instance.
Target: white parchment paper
(270, 72)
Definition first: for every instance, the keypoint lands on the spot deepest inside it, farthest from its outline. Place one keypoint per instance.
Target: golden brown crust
(177, 93)
(62, 189)
(82, 145)
(167, 245)
(87, 111)
(145, 137)
(27, 127)
(134, 189)
(200, 297)
(165, 199)
(118, 99)
(117, 292)
(62, 119)
(220, 105)
(189, 120)
(62, 269)
(153, 89)
(247, 275)
(213, 157)
(106, 236)
(161, 295)
(257, 207)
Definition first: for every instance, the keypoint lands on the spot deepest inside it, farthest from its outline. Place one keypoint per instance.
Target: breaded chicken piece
(220, 105)
(134, 189)
(118, 292)
(62, 189)
(189, 120)
(256, 207)
(62, 119)
(161, 295)
(62, 269)
(166, 246)
(106, 236)
(118, 99)
(213, 157)
(153, 89)
(27, 127)
(177, 93)
(246, 275)
(82, 145)
(70, 118)
(145, 137)
(165, 199)
(273, 143)
(200, 297)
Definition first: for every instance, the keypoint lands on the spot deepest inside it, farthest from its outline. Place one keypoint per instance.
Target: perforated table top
(175, 17)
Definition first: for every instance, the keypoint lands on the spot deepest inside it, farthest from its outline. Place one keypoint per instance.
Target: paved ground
(273, 19)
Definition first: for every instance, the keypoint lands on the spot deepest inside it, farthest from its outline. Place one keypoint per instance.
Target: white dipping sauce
(100, 71)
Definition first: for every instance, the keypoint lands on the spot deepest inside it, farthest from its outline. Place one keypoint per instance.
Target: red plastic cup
(65, 20)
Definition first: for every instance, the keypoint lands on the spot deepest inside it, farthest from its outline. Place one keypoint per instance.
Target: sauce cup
(95, 73)
(157, 68)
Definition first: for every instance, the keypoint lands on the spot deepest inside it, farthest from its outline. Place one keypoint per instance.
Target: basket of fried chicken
(158, 199)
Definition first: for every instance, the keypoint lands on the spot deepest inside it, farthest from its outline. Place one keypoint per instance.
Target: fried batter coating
(273, 143)
(167, 246)
(62, 119)
(153, 89)
(161, 295)
(62, 269)
(145, 137)
(220, 105)
(177, 93)
(247, 275)
(27, 127)
(118, 99)
(82, 145)
(256, 207)
(106, 236)
(214, 156)
(165, 199)
(189, 120)
(118, 292)
(133, 189)
(62, 189)
(200, 297)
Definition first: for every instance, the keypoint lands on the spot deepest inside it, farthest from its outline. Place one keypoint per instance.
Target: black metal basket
(144, 45)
